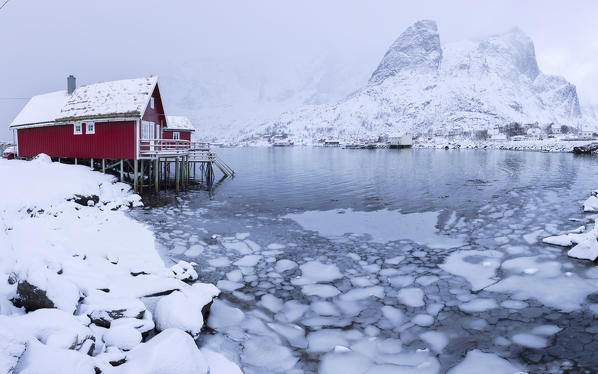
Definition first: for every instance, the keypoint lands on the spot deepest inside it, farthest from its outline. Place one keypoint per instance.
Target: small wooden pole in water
(122, 173)
(135, 179)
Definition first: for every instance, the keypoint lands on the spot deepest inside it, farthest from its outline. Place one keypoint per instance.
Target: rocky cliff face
(421, 85)
(416, 50)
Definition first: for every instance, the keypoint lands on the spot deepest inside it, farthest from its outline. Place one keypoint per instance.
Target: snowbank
(82, 279)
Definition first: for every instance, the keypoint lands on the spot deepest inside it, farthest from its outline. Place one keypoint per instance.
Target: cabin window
(152, 103)
(90, 128)
(77, 129)
(176, 135)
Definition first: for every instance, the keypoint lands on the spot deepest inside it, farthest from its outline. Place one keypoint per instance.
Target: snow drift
(82, 280)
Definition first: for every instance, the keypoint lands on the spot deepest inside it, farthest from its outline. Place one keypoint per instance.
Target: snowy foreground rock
(82, 284)
(584, 244)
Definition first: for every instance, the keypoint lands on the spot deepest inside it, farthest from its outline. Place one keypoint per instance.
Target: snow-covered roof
(41, 109)
(123, 98)
(175, 123)
(127, 97)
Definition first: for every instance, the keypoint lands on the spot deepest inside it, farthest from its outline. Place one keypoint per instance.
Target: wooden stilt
(122, 173)
(75, 160)
(91, 164)
(104, 165)
(177, 174)
(141, 177)
(135, 177)
(157, 175)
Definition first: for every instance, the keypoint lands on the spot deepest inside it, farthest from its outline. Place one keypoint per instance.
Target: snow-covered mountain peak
(422, 87)
(417, 48)
(509, 56)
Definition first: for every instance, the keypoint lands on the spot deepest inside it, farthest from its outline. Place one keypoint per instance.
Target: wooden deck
(160, 154)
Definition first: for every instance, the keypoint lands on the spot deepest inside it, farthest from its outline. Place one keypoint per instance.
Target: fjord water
(408, 258)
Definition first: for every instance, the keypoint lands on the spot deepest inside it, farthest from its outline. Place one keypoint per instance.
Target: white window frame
(75, 131)
(176, 135)
(93, 127)
(152, 103)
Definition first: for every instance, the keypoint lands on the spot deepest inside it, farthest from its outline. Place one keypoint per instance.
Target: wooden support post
(184, 172)
(177, 173)
(104, 165)
(135, 178)
(91, 164)
(122, 172)
(75, 160)
(157, 175)
(141, 177)
(59, 160)
(187, 171)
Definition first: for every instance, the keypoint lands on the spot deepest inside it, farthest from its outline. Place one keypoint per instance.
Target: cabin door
(147, 134)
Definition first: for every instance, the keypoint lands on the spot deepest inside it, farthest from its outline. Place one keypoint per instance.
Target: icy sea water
(410, 261)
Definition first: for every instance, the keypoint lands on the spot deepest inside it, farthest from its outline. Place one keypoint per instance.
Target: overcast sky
(44, 41)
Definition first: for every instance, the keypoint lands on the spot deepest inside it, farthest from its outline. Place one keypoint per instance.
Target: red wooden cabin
(109, 120)
(179, 127)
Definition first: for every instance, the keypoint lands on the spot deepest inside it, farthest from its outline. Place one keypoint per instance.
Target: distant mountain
(421, 85)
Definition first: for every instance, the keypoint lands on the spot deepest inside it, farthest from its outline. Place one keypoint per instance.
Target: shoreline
(555, 146)
(87, 290)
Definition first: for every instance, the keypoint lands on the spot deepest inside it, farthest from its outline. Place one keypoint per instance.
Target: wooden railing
(153, 146)
(170, 146)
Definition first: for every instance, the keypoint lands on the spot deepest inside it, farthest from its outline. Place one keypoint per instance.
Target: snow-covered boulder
(585, 250)
(185, 309)
(219, 364)
(53, 327)
(124, 337)
(591, 204)
(184, 271)
(43, 359)
(586, 245)
(170, 352)
(42, 158)
(102, 308)
(44, 289)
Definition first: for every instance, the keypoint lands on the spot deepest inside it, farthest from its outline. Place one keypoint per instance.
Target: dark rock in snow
(86, 200)
(31, 298)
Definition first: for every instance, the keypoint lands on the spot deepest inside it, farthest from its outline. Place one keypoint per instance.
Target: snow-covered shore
(84, 289)
(547, 145)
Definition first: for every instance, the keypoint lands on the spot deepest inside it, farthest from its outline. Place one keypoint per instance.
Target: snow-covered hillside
(421, 85)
